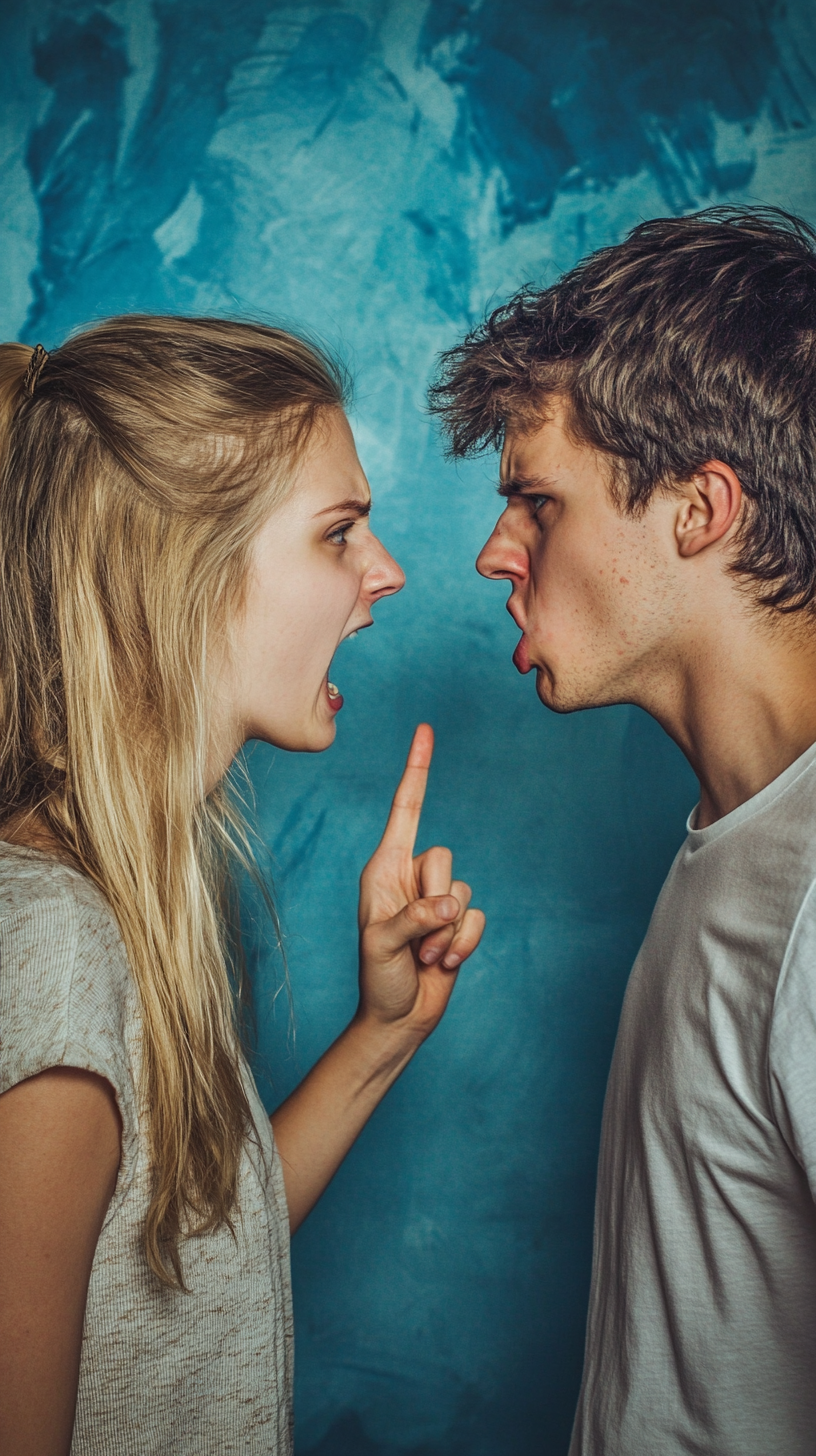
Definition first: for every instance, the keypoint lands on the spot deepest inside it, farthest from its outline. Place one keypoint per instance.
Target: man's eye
(536, 502)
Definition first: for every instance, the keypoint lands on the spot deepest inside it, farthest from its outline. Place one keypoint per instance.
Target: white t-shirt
(702, 1325)
(162, 1373)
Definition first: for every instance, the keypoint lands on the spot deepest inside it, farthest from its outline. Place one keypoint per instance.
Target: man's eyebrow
(354, 507)
(524, 485)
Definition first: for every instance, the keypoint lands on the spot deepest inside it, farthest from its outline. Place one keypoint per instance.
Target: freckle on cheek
(624, 581)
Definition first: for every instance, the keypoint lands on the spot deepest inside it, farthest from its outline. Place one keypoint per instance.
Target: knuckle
(468, 933)
(417, 912)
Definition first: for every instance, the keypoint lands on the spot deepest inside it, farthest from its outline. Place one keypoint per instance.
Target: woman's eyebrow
(353, 506)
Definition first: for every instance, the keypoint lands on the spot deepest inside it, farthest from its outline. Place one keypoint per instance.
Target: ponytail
(15, 360)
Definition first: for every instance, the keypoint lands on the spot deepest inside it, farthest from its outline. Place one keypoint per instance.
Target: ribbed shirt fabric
(702, 1323)
(162, 1373)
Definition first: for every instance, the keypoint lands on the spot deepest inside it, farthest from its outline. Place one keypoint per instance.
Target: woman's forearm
(315, 1127)
(416, 928)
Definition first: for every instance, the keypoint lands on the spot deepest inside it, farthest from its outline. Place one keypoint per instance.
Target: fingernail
(451, 961)
(430, 955)
(448, 907)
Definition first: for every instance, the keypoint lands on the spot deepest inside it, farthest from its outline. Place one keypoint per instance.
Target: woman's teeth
(333, 691)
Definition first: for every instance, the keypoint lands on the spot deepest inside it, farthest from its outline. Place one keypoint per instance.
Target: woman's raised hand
(416, 926)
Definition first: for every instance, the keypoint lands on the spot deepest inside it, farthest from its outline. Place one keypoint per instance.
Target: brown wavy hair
(134, 477)
(692, 340)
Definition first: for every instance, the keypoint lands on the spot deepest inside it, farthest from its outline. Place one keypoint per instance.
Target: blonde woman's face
(316, 570)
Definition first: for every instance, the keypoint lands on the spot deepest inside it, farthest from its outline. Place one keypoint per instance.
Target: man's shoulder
(749, 874)
(737, 900)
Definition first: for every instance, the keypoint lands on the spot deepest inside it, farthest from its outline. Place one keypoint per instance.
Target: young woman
(185, 542)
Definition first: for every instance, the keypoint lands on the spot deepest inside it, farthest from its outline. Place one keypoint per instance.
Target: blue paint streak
(574, 92)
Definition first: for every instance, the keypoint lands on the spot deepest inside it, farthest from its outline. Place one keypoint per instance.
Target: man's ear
(710, 504)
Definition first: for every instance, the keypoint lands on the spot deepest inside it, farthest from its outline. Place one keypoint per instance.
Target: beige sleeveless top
(162, 1373)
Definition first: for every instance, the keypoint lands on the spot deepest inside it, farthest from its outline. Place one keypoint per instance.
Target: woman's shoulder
(28, 875)
(66, 996)
(56, 909)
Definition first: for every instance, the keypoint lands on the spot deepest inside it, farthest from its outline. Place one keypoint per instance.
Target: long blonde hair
(134, 476)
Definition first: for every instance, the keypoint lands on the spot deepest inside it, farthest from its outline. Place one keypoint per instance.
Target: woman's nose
(384, 576)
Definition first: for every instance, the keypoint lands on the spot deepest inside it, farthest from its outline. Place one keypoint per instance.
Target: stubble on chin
(546, 689)
(561, 695)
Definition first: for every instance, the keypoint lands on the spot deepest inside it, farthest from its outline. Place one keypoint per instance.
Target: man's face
(595, 592)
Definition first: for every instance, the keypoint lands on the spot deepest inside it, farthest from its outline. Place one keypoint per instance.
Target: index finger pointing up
(401, 830)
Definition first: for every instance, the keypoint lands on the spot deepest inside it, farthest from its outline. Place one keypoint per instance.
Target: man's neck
(742, 707)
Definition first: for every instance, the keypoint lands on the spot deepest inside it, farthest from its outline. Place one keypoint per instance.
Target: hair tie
(36, 365)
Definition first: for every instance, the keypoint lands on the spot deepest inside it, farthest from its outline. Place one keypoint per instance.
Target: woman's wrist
(382, 1047)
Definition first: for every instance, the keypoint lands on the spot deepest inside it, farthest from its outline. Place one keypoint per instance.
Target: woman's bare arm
(416, 929)
(59, 1157)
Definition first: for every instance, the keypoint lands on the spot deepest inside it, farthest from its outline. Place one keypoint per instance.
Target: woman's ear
(710, 504)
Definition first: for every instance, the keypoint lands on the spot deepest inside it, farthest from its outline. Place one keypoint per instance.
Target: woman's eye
(338, 535)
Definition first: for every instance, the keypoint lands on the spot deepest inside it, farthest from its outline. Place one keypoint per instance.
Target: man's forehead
(525, 452)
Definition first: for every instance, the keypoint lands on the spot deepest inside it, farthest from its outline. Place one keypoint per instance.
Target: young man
(657, 411)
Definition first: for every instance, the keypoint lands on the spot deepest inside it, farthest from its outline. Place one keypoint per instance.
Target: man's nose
(501, 558)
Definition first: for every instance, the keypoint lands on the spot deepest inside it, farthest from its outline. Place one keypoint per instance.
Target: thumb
(413, 921)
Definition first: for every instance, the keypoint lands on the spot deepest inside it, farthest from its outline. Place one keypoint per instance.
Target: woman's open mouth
(334, 693)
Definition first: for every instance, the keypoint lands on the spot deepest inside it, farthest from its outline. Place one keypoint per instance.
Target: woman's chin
(318, 735)
(323, 740)
(307, 738)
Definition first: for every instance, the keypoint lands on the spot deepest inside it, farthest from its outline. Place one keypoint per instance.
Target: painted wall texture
(379, 171)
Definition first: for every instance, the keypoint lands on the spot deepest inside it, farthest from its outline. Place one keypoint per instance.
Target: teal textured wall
(380, 171)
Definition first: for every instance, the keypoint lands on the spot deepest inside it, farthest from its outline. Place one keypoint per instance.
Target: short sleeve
(792, 1045)
(66, 997)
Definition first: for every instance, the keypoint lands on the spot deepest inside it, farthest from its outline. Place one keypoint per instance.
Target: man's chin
(545, 687)
(554, 695)
(565, 697)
